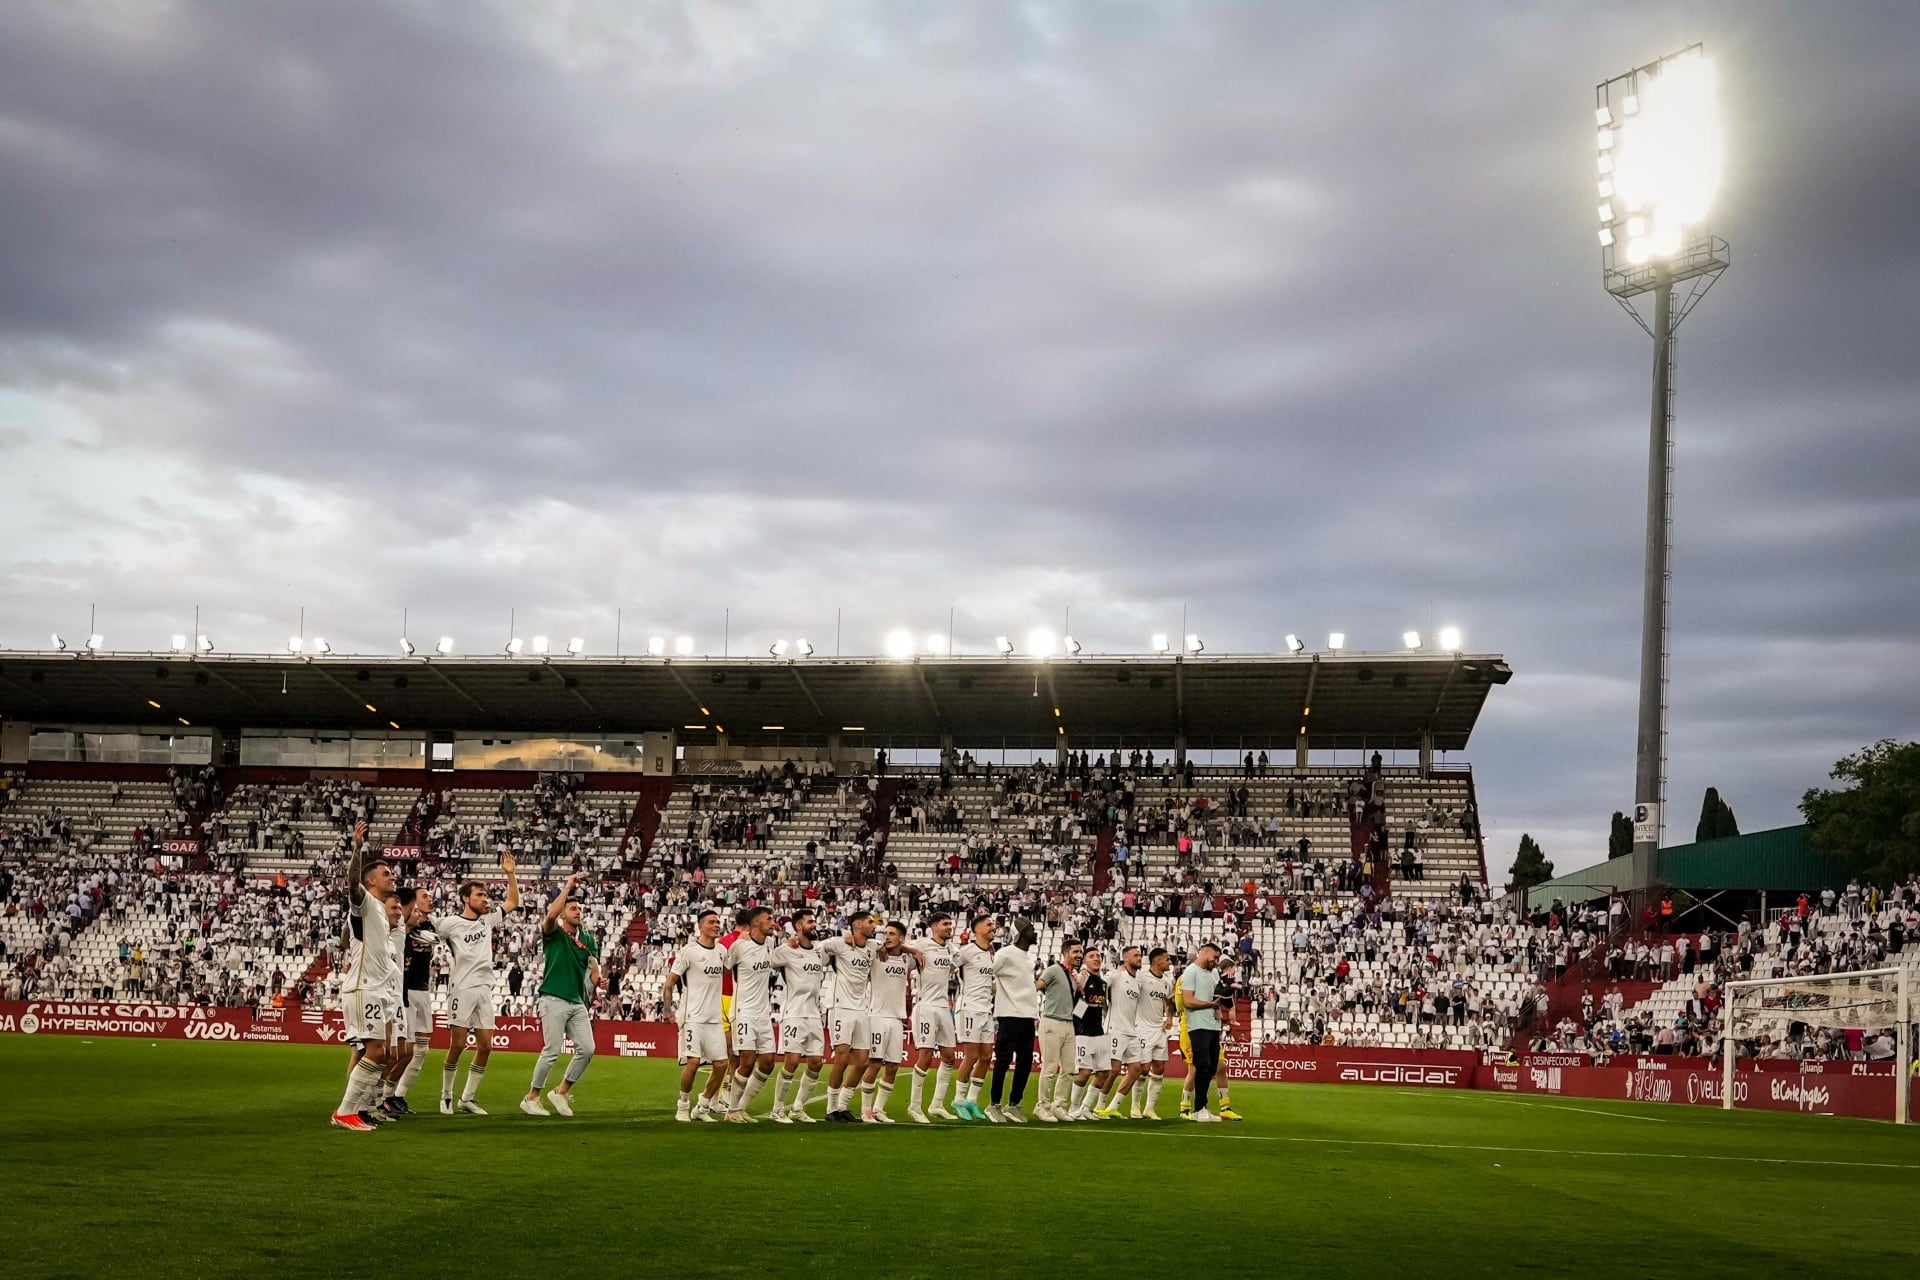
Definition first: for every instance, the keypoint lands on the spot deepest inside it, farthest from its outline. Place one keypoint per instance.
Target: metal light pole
(1659, 165)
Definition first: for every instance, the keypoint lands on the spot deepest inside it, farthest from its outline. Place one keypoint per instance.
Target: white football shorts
(1090, 1053)
(368, 1015)
(470, 1007)
(752, 1035)
(849, 1027)
(933, 1028)
(704, 1041)
(806, 1038)
(976, 1027)
(889, 1038)
(419, 1019)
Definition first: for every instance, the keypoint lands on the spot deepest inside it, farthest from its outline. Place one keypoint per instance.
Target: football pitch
(185, 1158)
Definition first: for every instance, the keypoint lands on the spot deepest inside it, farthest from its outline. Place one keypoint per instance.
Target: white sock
(752, 1089)
(730, 1094)
(1140, 1091)
(474, 1075)
(833, 1097)
(686, 1098)
(805, 1091)
(1153, 1092)
(919, 1087)
(866, 1098)
(449, 1075)
(363, 1083)
(884, 1095)
(783, 1089)
(386, 1089)
(973, 1090)
(941, 1077)
(411, 1073)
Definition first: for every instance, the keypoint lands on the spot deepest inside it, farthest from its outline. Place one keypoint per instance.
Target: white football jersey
(752, 965)
(933, 984)
(1123, 1001)
(974, 965)
(372, 967)
(1156, 1000)
(471, 942)
(700, 970)
(888, 988)
(803, 970)
(852, 971)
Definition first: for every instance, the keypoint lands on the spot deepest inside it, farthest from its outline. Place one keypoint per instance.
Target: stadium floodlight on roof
(321, 646)
(1337, 641)
(295, 644)
(445, 646)
(96, 642)
(205, 645)
(683, 645)
(1071, 646)
(899, 643)
(778, 649)
(179, 644)
(540, 644)
(59, 645)
(1450, 639)
(1410, 639)
(656, 645)
(1041, 644)
(1294, 643)
(1160, 644)
(1194, 645)
(1658, 160)
(805, 648)
(1002, 645)
(576, 645)
(936, 644)
(406, 646)
(514, 646)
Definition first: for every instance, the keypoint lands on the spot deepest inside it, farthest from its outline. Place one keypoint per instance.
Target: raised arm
(512, 903)
(357, 865)
(559, 904)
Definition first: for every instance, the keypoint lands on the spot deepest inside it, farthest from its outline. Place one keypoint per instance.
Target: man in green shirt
(572, 967)
(1197, 986)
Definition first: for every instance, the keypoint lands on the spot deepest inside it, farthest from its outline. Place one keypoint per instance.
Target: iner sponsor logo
(1397, 1073)
(212, 1031)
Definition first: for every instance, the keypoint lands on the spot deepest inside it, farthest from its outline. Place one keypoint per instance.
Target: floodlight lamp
(683, 645)
(1606, 188)
(295, 644)
(1669, 154)
(1337, 641)
(806, 649)
(514, 646)
(406, 646)
(1602, 117)
(1606, 163)
(1194, 645)
(1606, 140)
(321, 646)
(1606, 237)
(1638, 251)
(95, 643)
(937, 644)
(1002, 645)
(179, 644)
(656, 645)
(1294, 643)
(576, 646)
(1606, 211)
(59, 644)
(1160, 644)
(206, 645)
(445, 646)
(1040, 643)
(539, 644)
(778, 649)
(899, 643)
(1630, 105)
(1411, 639)
(1072, 647)
(1450, 639)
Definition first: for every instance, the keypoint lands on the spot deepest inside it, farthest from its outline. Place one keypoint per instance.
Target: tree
(1530, 866)
(1620, 836)
(1871, 825)
(1716, 818)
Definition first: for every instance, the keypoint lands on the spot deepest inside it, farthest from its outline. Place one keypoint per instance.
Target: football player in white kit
(973, 1010)
(414, 1030)
(934, 1030)
(470, 1006)
(803, 970)
(1154, 1021)
(851, 959)
(1123, 1030)
(371, 980)
(750, 961)
(698, 967)
(887, 1021)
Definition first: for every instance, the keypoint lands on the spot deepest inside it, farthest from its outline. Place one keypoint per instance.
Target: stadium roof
(1345, 700)
(1782, 859)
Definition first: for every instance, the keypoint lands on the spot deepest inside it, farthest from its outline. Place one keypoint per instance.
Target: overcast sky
(1285, 315)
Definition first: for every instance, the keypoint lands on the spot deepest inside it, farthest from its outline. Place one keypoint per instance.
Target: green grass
(183, 1158)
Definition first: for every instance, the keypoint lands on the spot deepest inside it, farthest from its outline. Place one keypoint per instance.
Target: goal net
(1767, 1015)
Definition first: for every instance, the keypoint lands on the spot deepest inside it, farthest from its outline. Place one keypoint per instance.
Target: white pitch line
(1560, 1106)
(1536, 1151)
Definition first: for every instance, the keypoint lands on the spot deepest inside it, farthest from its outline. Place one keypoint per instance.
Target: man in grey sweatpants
(572, 968)
(1057, 998)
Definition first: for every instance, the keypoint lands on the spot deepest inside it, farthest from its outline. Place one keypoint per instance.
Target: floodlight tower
(1658, 168)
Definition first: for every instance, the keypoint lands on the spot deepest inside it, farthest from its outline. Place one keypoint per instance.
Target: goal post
(1869, 1000)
